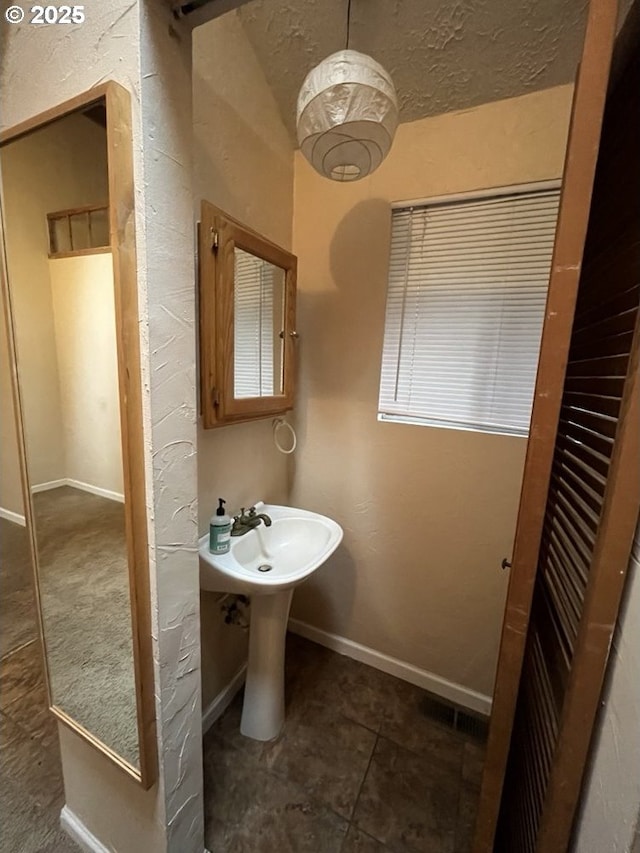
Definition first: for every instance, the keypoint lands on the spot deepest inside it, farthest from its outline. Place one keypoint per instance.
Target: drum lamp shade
(347, 116)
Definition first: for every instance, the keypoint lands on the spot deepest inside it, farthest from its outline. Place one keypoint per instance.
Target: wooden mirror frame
(219, 235)
(123, 249)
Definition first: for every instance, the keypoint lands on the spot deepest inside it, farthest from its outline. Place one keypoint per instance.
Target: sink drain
(265, 567)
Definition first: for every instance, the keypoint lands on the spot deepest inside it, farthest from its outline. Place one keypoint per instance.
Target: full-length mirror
(71, 299)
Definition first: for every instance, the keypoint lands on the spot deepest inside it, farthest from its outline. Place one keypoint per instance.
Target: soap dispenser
(220, 530)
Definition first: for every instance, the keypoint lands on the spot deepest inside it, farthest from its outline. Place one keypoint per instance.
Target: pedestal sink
(267, 563)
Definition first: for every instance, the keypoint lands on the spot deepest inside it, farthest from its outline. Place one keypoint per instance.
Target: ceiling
(443, 55)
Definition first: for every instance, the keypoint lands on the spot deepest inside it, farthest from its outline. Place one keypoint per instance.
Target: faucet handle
(252, 511)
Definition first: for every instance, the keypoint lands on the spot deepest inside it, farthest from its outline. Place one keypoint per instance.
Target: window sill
(412, 420)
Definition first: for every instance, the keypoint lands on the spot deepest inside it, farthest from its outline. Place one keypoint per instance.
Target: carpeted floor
(84, 589)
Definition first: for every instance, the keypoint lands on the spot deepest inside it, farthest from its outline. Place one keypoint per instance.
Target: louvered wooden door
(592, 507)
(536, 756)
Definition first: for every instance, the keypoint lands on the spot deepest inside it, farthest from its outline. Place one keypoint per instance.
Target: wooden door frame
(573, 219)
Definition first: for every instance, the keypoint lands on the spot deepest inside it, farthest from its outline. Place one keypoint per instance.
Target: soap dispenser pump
(220, 530)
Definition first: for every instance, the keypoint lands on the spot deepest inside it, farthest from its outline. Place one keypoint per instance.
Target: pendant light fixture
(347, 114)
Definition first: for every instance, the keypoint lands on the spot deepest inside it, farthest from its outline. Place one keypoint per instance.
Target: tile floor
(31, 791)
(359, 768)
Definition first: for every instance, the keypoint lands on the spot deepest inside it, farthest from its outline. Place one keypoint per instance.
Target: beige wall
(85, 339)
(31, 190)
(428, 513)
(244, 165)
(10, 486)
(608, 818)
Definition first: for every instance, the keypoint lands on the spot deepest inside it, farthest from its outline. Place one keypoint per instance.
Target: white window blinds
(253, 326)
(465, 306)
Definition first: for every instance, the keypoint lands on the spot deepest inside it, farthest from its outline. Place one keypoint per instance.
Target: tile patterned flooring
(359, 768)
(31, 790)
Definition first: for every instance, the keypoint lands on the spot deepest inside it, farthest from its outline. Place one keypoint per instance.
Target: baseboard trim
(78, 484)
(45, 487)
(96, 490)
(77, 831)
(15, 517)
(449, 690)
(219, 705)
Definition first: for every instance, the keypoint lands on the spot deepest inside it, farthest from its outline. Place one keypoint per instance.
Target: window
(465, 306)
(78, 231)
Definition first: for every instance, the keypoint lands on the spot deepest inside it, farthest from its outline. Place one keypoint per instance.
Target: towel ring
(280, 422)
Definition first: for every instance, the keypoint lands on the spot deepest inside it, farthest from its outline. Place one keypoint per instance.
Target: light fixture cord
(348, 22)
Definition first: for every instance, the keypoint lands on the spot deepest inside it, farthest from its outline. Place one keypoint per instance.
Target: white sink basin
(270, 559)
(267, 563)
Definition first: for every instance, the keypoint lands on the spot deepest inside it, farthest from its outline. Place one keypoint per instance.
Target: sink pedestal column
(263, 708)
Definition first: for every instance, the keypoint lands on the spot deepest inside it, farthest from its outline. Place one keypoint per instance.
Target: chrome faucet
(245, 522)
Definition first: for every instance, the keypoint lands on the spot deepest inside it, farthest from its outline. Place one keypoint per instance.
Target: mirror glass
(259, 291)
(55, 195)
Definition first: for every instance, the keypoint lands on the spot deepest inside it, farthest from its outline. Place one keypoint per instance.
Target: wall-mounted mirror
(247, 322)
(69, 282)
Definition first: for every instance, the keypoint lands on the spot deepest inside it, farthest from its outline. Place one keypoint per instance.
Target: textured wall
(244, 165)
(428, 513)
(136, 44)
(166, 261)
(611, 797)
(443, 55)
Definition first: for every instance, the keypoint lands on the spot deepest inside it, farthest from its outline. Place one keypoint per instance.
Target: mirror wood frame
(218, 404)
(123, 249)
